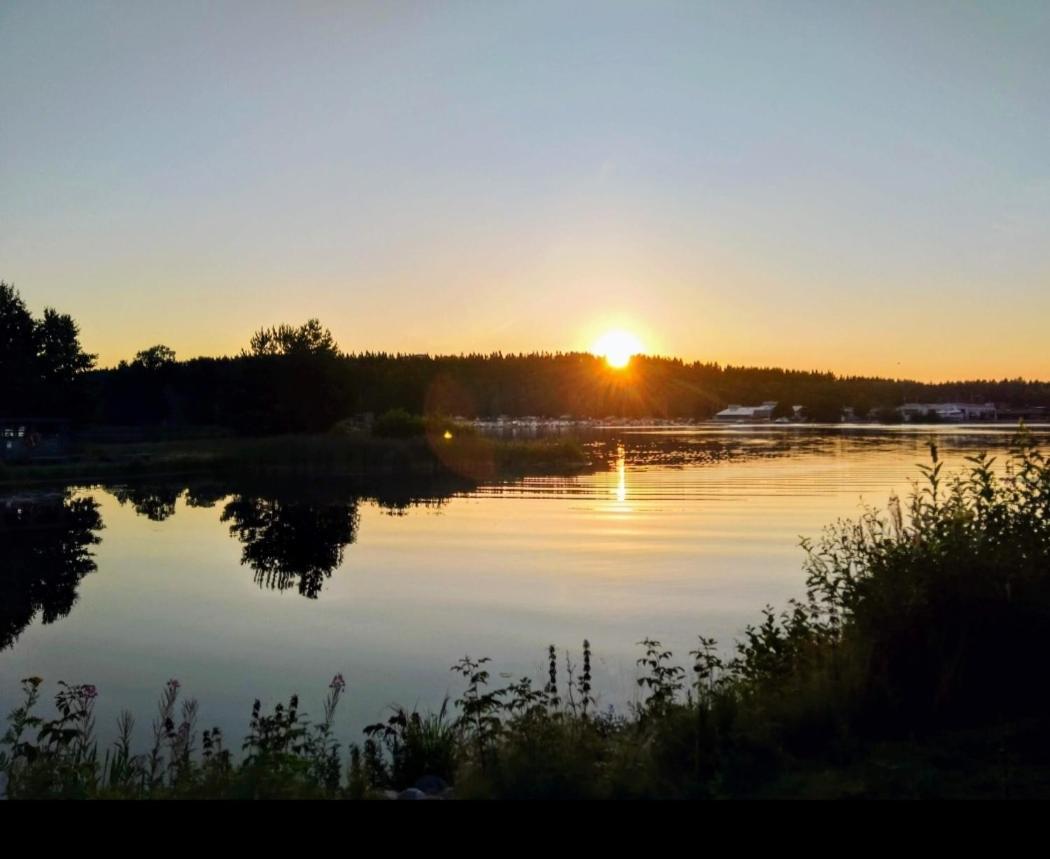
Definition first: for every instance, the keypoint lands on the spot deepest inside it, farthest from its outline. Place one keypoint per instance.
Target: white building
(763, 412)
(952, 412)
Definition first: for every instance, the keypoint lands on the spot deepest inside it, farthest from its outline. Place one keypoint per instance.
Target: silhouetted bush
(398, 423)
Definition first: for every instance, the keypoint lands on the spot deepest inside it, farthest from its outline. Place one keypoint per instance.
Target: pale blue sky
(863, 187)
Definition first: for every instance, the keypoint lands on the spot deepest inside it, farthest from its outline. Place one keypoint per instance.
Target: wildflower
(89, 692)
(338, 683)
(33, 681)
(173, 683)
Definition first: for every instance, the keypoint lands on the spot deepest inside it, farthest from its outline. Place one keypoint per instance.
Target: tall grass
(913, 666)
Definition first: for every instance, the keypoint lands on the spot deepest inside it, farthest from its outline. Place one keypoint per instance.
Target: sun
(617, 347)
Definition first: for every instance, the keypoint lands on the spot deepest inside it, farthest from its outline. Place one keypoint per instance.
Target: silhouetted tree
(17, 351)
(58, 348)
(41, 361)
(311, 338)
(822, 407)
(862, 406)
(154, 358)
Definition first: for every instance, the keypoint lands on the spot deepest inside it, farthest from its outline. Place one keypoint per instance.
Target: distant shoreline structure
(529, 422)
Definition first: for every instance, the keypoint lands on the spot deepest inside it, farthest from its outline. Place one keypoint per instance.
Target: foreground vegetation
(914, 667)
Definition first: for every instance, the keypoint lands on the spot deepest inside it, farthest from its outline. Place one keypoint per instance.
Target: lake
(260, 589)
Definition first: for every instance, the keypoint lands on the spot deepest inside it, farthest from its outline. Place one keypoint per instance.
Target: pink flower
(338, 683)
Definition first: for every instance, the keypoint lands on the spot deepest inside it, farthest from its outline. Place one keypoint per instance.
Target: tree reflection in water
(156, 503)
(45, 551)
(292, 544)
(293, 536)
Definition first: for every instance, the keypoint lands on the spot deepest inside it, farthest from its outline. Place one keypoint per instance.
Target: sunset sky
(857, 187)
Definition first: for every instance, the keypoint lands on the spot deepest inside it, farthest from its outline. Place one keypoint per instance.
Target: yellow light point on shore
(617, 347)
(448, 434)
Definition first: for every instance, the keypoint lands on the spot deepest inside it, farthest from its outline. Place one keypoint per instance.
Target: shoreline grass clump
(914, 666)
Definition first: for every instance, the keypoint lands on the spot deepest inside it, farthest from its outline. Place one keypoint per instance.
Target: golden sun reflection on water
(620, 489)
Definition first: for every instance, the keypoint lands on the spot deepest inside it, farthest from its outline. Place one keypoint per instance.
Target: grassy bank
(913, 667)
(350, 454)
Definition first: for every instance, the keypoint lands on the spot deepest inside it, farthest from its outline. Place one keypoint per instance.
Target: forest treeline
(283, 393)
(297, 379)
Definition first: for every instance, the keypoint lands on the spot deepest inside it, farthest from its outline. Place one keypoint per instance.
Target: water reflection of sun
(619, 489)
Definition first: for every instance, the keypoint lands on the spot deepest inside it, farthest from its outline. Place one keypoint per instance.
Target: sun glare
(617, 347)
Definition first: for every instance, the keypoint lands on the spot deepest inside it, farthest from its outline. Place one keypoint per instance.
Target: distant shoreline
(333, 455)
(489, 450)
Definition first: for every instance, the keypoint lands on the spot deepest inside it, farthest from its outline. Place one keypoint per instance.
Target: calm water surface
(261, 590)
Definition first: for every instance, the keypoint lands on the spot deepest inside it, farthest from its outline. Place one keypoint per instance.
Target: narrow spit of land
(453, 452)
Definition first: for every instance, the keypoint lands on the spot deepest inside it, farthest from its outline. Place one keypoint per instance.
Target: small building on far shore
(949, 412)
(743, 414)
(28, 439)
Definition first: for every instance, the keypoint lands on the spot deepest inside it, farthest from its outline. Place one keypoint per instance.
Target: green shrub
(398, 423)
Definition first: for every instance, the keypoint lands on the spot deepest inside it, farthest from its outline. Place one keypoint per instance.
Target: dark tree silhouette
(823, 407)
(58, 348)
(17, 351)
(311, 338)
(154, 358)
(41, 361)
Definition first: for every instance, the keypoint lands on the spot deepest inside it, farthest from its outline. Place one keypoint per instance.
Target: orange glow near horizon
(617, 347)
